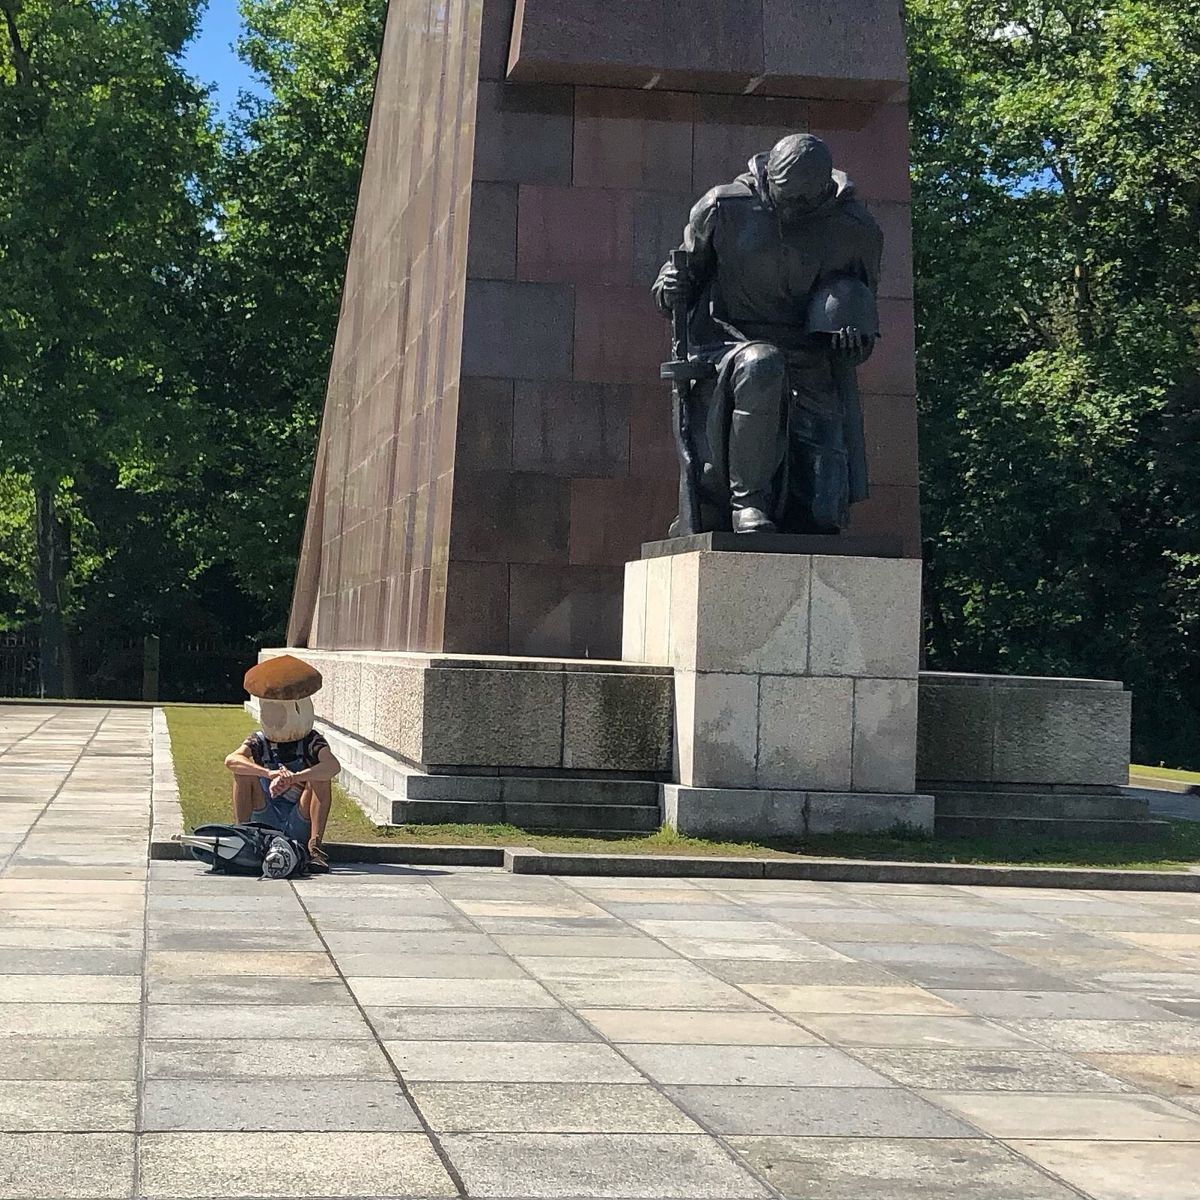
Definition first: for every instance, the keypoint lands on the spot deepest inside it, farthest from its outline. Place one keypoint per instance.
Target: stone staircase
(1067, 814)
(395, 793)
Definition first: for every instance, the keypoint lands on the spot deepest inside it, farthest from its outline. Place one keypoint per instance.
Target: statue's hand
(673, 288)
(851, 344)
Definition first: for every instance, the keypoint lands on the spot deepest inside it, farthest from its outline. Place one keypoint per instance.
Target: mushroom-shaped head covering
(282, 678)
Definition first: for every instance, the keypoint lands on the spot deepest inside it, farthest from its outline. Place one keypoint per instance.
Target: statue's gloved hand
(673, 287)
(851, 344)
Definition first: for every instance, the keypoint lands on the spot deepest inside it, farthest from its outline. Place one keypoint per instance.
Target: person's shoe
(752, 520)
(318, 864)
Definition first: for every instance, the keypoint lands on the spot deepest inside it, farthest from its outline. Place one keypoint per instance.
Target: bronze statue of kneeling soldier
(772, 294)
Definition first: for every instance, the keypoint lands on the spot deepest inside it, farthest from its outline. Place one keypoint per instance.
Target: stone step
(1057, 805)
(1050, 829)
(610, 818)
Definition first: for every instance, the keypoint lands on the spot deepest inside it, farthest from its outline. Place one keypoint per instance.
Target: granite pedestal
(795, 684)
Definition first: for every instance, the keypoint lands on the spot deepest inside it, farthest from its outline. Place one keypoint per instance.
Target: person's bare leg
(245, 793)
(314, 805)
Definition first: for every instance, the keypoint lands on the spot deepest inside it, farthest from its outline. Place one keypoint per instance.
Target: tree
(105, 158)
(1057, 217)
(288, 190)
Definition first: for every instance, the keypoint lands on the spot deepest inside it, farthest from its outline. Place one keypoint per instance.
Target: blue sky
(212, 57)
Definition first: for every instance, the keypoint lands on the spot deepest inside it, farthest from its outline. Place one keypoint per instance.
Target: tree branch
(19, 53)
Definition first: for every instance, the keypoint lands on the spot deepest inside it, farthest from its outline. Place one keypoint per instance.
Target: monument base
(737, 814)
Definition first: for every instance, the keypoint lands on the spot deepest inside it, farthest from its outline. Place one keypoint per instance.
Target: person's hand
(850, 343)
(281, 780)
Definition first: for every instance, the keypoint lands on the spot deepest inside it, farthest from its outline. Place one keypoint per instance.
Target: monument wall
(496, 443)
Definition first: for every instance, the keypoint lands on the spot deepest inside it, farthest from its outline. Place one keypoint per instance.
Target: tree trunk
(49, 583)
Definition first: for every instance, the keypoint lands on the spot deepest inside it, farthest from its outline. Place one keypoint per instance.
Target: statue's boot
(752, 520)
(757, 441)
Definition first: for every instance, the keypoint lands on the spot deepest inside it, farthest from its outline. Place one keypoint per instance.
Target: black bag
(250, 849)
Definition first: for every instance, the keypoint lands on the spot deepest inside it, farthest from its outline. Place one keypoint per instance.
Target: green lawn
(201, 737)
(1165, 773)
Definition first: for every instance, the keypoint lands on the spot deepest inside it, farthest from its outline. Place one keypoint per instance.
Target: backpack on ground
(250, 849)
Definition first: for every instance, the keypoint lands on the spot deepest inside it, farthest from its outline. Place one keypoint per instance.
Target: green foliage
(1056, 217)
(288, 190)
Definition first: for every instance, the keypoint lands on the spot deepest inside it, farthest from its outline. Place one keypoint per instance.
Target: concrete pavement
(435, 1032)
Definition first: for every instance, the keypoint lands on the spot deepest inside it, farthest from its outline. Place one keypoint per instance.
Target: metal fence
(189, 670)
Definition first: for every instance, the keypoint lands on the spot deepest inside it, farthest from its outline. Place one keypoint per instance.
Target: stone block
(510, 516)
(399, 711)
(523, 134)
(683, 612)
(734, 813)
(1011, 730)
(1061, 735)
(617, 722)
(575, 429)
(633, 139)
(740, 613)
(804, 733)
(518, 330)
(857, 812)
(866, 617)
(633, 612)
(367, 692)
(658, 611)
(564, 610)
(493, 718)
(715, 729)
(492, 244)
(885, 735)
(746, 813)
(954, 733)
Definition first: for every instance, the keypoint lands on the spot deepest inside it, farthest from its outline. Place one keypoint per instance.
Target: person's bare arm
(327, 767)
(240, 763)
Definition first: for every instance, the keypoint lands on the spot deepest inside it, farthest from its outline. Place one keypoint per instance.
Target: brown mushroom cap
(282, 678)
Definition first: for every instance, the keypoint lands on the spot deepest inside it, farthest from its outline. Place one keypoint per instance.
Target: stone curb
(536, 862)
(351, 853)
(524, 862)
(166, 816)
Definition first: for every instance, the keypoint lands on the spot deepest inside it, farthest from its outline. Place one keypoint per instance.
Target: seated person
(283, 772)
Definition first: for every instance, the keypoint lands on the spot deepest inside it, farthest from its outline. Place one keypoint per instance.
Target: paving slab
(827, 1168)
(602, 1166)
(262, 1022)
(113, 1058)
(1118, 1037)
(1029, 1070)
(857, 1029)
(1171, 1074)
(1054, 1005)
(1083, 1117)
(656, 993)
(513, 1062)
(68, 1020)
(549, 1108)
(68, 1106)
(818, 1112)
(842, 972)
(690, 1027)
(66, 1166)
(1129, 1170)
(758, 1066)
(219, 1058)
(380, 991)
(478, 1024)
(896, 1000)
(248, 989)
(291, 1165)
(276, 1104)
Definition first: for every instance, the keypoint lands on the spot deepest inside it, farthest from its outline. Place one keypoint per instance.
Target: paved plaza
(432, 1032)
